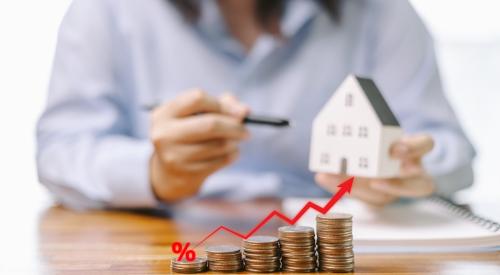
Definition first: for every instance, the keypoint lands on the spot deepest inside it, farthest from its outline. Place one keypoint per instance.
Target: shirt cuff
(129, 181)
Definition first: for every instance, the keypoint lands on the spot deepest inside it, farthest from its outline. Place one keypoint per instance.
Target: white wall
(467, 31)
(28, 31)
(27, 39)
(467, 34)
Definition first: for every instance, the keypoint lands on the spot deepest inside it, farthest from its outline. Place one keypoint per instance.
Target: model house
(354, 131)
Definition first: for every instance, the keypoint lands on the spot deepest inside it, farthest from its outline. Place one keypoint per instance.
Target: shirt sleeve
(87, 154)
(401, 59)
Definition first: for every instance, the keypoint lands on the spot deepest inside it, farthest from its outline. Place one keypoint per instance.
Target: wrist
(171, 188)
(155, 177)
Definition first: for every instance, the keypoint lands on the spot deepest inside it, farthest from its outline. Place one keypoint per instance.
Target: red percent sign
(183, 251)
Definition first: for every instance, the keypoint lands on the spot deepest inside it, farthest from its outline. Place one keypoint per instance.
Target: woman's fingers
(411, 168)
(211, 165)
(206, 150)
(413, 187)
(365, 193)
(328, 178)
(330, 181)
(232, 106)
(189, 103)
(199, 156)
(194, 135)
(412, 147)
(197, 101)
(360, 190)
(212, 126)
(204, 127)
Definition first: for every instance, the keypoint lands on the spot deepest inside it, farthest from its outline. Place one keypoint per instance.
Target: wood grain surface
(121, 242)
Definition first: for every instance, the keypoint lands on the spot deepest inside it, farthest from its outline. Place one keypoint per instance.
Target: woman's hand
(412, 182)
(194, 135)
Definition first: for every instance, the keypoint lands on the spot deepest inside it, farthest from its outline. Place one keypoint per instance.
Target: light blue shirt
(115, 56)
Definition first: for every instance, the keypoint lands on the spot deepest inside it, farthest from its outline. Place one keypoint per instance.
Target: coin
(198, 265)
(262, 254)
(335, 250)
(298, 248)
(293, 232)
(224, 258)
(223, 249)
(262, 240)
(334, 217)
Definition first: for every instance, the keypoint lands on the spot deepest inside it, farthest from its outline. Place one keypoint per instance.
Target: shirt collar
(212, 28)
(297, 14)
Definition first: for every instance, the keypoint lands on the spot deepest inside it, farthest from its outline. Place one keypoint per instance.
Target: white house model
(354, 131)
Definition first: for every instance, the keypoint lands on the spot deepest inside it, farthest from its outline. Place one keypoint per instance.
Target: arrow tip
(347, 185)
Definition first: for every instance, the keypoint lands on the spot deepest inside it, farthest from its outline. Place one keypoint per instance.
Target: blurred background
(467, 36)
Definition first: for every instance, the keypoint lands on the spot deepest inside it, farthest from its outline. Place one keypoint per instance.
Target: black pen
(264, 120)
(254, 119)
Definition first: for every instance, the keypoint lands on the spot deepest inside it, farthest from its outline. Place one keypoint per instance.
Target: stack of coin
(262, 254)
(184, 266)
(335, 242)
(224, 258)
(298, 248)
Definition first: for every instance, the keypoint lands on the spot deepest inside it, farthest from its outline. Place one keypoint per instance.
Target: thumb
(411, 147)
(232, 106)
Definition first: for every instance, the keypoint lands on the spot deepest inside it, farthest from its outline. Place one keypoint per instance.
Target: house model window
(347, 131)
(363, 163)
(325, 158)
(360, 144)
(363, 132)
(331, 130)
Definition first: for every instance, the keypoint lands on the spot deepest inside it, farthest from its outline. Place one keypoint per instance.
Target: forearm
(90, 172)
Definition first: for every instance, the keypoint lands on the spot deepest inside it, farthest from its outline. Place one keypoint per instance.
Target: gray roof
(378, 102)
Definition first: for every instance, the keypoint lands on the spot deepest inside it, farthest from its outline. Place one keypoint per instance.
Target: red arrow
(344, 187)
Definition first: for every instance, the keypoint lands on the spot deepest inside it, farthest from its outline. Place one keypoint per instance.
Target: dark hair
(266, 10)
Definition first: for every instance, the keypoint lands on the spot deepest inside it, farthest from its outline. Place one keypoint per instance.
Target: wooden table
(119, 242)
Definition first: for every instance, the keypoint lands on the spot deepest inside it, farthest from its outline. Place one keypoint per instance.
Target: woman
(98, 146)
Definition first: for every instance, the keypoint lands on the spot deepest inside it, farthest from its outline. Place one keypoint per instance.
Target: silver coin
(197, 260)
(334, 216)
(223, 249)
(261, 240)
(296, 229)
